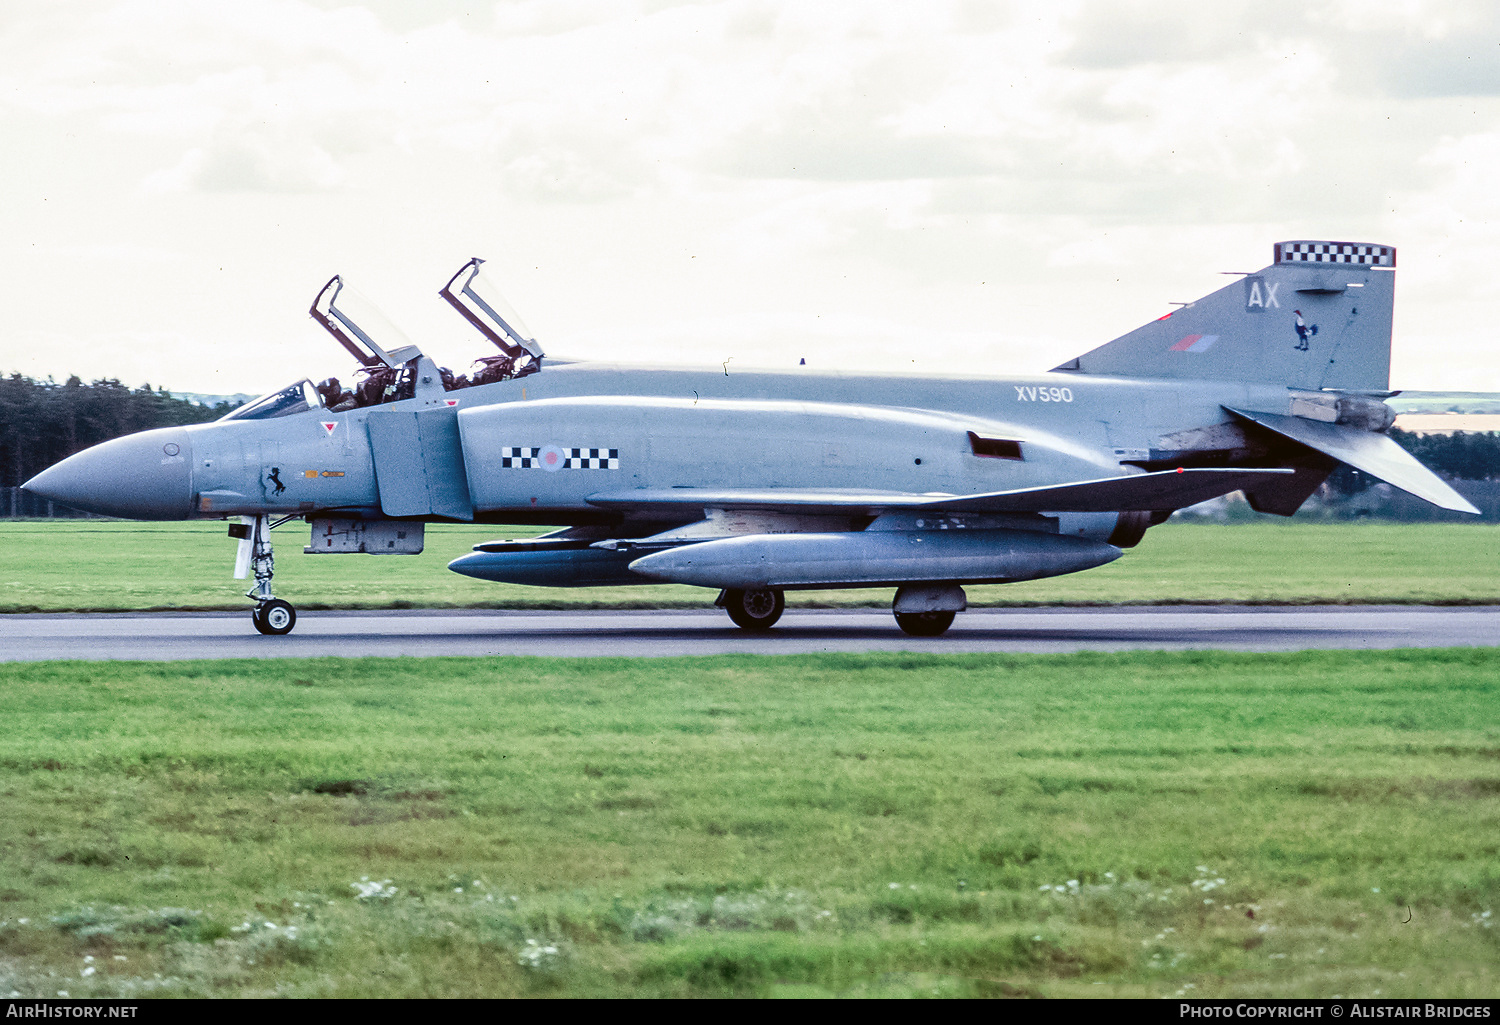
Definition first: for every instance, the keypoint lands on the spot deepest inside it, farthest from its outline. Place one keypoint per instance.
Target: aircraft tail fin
(1319, 317)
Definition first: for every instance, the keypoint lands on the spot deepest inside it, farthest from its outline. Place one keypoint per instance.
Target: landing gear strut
(271, 615)
(757, 609)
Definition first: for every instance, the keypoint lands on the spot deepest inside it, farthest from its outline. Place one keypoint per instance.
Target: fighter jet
(754, 483)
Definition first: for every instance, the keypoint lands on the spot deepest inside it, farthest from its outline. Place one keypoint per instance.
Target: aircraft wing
(1167, 489)
(1375, 454)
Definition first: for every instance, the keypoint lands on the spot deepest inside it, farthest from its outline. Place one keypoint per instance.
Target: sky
(969, 186)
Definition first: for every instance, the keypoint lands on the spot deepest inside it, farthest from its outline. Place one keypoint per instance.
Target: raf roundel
(552, 458)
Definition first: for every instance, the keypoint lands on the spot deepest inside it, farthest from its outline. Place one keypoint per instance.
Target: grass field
(96, 565)
(1126, 825)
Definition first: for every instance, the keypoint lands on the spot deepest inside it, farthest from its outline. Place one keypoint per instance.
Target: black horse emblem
(274, 477)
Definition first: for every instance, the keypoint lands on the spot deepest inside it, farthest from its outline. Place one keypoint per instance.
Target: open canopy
(357, 323)
(481, 304)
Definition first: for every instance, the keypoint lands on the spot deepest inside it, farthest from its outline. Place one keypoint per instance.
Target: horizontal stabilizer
(1168, 489)
(1375, 454)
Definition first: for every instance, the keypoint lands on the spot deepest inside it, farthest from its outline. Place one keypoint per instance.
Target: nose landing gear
(272, 616)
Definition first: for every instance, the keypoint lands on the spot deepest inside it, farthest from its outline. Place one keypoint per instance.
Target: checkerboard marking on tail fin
(1336, 252)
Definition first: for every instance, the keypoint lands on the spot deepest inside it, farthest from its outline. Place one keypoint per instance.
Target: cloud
(1124, 34)
(248, 164)
(553, 174)
(1467, 65)
(1412, 49)
(127, 253)
(872, 156)
(1454, 219)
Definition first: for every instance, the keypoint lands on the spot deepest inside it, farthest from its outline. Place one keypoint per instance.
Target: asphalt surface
(151, 636)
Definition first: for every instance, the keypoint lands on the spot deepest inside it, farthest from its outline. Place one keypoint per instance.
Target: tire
(924, 624)
(755, 610)
(274, 617)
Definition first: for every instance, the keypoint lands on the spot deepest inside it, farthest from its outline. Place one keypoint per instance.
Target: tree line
(1472, 455)
(42, 422)
(1467, 455)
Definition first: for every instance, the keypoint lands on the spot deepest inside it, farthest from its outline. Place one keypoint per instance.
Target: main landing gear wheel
(274, 617)
(925, 624)
(754, 610)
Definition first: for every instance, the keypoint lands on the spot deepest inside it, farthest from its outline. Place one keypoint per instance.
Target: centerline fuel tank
(874, 557)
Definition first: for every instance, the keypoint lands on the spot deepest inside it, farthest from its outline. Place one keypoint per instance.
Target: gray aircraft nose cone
(146, 476)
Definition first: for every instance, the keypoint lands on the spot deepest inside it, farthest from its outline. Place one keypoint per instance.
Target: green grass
(95, 565)
(855, 825)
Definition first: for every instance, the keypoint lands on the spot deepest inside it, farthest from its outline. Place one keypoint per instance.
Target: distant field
(1445, 402)
(1090, 825)
(1448, 423)
(62, 565)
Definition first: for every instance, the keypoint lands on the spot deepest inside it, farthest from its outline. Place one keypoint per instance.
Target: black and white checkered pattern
(1336, 252)
(592, 459)
(520, 458)
(528, 456)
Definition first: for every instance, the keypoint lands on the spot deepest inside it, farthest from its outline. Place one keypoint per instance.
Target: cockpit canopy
(354, 322)
(294, 398)
(481, 304)
(387, 358)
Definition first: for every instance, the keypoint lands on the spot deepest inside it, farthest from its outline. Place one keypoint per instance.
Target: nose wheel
(274, 617)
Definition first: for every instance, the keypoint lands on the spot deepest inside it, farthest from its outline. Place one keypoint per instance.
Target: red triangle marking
(329, 425)
(450, 402)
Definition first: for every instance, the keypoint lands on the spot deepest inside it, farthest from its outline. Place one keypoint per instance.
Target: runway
(173, 636)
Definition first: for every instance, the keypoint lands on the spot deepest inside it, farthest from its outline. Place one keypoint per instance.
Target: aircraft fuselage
(667, 427)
